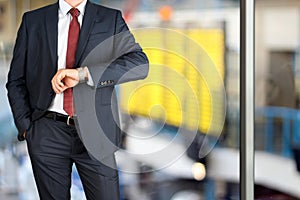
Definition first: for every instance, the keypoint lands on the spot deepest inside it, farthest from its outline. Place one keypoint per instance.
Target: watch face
(81, 75)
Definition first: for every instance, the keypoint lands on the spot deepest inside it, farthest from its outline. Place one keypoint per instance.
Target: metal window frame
(247, 21)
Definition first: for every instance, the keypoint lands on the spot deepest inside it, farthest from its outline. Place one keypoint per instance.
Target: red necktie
(74, 30)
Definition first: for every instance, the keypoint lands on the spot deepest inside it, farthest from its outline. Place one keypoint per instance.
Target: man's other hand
(64, 79)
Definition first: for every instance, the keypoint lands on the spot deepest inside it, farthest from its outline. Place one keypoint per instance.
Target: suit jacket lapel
(88, 20)
(52, 31)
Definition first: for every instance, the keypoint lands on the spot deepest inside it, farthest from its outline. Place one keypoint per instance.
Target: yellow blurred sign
(184, 87)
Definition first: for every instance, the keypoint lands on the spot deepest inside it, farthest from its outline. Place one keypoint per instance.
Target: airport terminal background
(192, 87)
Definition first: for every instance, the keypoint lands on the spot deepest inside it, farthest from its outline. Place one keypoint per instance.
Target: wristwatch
(81, 75)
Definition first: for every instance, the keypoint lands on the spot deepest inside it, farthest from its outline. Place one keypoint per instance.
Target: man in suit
(59, 60)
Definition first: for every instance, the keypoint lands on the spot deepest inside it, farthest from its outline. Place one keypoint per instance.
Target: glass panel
(181, 124)
(194, 55)
(277, 86)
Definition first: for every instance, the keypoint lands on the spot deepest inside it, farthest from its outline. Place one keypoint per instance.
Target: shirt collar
(65, 7)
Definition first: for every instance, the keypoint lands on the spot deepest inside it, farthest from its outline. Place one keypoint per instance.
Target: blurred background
(181, 124)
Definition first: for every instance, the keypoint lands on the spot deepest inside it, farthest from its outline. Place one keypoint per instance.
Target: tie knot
(74, 12)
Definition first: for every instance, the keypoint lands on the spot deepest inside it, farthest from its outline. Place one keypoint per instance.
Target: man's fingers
(60, 83)
(64, 79)
(57, 83)
(58, 88)
(64, 88)
(55, 86)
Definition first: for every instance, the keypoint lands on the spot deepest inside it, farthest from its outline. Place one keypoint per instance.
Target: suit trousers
(53, 147)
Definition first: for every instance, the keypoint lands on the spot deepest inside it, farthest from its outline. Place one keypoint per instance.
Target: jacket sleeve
(128, 62)
(16, 83)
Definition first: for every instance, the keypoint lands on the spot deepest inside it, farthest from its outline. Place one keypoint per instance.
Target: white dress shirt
(64, 19)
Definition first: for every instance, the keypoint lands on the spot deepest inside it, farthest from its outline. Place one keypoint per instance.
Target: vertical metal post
(247, 99)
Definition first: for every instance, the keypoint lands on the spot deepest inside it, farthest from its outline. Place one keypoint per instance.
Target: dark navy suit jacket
(105, 45)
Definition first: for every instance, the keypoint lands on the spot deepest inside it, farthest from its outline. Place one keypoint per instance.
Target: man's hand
(64, 79)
